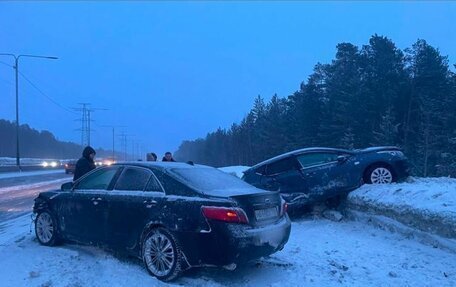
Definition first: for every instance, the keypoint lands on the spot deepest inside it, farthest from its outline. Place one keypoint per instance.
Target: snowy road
(17, 192)
(319, 253)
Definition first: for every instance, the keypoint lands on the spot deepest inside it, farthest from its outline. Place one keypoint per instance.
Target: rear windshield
(211, 181)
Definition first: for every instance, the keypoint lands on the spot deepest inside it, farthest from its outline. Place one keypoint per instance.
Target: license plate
(262, 214)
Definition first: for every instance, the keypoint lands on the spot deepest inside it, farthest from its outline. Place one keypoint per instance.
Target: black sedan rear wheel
(379, 174)
(161, 254)
(46, 228)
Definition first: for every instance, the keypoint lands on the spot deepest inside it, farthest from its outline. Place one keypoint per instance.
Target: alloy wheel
(159, 254)
(44, 227)
(381, 175)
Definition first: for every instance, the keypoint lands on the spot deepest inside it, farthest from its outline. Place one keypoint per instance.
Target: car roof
(297, 152)
(158, 164)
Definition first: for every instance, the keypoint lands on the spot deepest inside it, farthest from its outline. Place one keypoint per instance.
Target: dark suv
(309, 175)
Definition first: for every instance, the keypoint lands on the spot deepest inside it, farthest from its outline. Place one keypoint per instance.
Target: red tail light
(284, 208)
(234, 215)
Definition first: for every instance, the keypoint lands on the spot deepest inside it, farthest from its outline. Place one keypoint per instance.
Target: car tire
(46, 228)
(67, 172)
(379, 174)
(162, 254)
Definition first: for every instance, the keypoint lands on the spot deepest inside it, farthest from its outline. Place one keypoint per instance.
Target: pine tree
(342, 92)
(428, 124)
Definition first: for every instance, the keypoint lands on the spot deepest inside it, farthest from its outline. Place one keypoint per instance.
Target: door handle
(149, 203)
(96, 200)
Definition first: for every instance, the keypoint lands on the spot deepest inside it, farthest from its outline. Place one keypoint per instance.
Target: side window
(100, 179)
(261, 170)
(311, 159)
(133, 178)
(153, 185)
(280, 166)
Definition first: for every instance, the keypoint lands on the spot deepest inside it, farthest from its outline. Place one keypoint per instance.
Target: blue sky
(175, 71)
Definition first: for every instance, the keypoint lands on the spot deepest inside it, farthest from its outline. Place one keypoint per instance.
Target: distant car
(171, 215)
(69, 167)
(310, 175)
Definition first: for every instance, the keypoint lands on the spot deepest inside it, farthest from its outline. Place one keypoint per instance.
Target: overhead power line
(45, 95)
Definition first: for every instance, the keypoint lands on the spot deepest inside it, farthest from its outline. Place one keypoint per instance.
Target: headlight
(44, 164)
(53, 164)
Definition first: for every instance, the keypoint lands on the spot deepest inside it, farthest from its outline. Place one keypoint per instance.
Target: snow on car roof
(159, 164)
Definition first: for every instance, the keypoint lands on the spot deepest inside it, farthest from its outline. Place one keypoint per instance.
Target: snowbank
(428, 204)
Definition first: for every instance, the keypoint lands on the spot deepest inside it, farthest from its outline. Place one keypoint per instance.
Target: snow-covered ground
(18, 199)
(36, 187)
(29, 173)
(428, 204)
(319, 253)
(429, 195)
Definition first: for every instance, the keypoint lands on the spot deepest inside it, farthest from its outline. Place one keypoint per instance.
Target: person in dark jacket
(85, 163)
(151, 157)
(168, 157)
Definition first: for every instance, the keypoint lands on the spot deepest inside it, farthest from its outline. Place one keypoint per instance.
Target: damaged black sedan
(173, 216)
(311, 175)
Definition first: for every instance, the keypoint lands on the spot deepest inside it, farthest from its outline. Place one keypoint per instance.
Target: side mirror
(67, 186)
(342, 158)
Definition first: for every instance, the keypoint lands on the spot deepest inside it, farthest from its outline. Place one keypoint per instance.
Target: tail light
(284, 208)
(232, 215)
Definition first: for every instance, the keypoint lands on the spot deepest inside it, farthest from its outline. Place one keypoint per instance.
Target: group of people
(87, 163)
(153, 157)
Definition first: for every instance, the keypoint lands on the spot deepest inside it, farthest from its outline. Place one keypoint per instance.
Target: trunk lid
(261, 208)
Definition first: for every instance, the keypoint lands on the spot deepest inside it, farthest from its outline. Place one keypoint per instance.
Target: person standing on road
(85, 163)
(168, 157)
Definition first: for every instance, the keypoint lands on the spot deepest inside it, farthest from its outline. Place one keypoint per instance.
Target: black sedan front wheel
(161, 254)
(46, 228)
(379, 174)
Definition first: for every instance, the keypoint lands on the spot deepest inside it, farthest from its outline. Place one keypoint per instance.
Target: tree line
(37, 144)
(372, 95)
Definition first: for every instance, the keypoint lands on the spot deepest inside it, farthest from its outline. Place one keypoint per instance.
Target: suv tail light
(233, 215)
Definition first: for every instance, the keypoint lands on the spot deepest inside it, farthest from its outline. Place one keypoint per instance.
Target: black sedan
(171, 215)
(310, 175)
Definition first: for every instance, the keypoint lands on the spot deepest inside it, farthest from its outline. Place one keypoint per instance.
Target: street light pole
(16, 67)
(113, 138)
